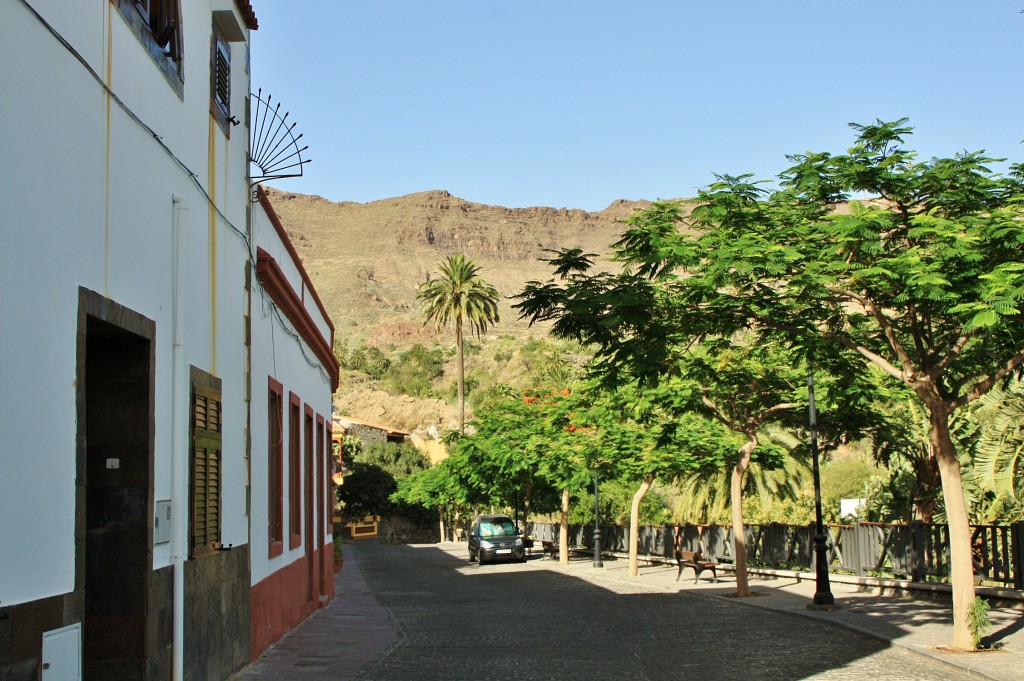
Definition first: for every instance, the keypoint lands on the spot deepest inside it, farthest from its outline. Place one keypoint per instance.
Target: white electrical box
(162, 522)
(62, 654)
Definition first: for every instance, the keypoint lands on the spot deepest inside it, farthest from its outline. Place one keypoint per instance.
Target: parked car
(495, 537)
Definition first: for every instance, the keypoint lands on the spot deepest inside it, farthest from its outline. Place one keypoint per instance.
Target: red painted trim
(309, 435)
(278, 602)
(282, 234)
(322, 503)
(275, 454)
(276, 285)
(294, 471)
(248, 14)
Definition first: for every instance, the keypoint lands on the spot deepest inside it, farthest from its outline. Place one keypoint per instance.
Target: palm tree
(462, 297)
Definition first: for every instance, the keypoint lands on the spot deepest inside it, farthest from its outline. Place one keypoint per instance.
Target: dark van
(495, 537)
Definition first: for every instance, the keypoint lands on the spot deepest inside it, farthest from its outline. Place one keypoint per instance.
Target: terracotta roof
(245, 7)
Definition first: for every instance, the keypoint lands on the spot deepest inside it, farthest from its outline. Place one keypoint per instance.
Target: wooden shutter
(206, 470)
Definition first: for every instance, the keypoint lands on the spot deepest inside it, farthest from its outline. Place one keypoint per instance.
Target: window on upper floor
(220, 79)
(157, 25)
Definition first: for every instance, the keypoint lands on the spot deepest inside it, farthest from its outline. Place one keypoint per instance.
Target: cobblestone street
(457, 620)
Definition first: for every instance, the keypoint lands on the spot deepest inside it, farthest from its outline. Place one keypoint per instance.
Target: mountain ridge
(367, 260)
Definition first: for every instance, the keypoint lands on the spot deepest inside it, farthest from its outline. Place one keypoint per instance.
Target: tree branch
(887, 329)
(874, 358)
(986, 383)
(716, 411)
(954, 351)
(774, 409)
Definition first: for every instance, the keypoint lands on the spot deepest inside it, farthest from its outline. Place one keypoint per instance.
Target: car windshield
(498, 528)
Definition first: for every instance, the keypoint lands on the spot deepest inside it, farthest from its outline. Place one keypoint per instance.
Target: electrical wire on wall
(194, 178)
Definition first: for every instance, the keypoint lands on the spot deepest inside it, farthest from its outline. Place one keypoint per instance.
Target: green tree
(642, 434)
(400, 459)
(643, 325)
(705, 494)
(999, 462)
(921, 278)
(376, 469)
(460, 297)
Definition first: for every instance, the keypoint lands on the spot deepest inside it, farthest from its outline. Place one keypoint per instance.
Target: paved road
(457, 620)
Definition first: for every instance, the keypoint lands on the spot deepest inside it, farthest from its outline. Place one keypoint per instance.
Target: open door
(118, 503)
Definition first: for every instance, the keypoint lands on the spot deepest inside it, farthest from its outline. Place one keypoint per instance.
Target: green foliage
(771, 492)
(614, 498)
(399, 459)
(376, 470)
(351, 447)
(999, 460)
(847, 478)
(461, 297)
(414, 372)
(978, 620)
(366, 359)
(890, 499)
(366, 490)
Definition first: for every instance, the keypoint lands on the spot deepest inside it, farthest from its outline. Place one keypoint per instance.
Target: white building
(149, 310)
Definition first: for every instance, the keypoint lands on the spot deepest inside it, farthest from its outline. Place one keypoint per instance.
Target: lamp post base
(823, 598)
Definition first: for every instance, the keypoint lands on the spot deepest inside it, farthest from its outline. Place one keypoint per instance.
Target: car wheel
(480, 558)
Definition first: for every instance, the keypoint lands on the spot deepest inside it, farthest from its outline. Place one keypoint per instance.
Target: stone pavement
(334, 643)
(920, 625)
(355, 630)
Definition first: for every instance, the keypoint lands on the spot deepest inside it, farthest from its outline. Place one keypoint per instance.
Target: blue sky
(577, 103)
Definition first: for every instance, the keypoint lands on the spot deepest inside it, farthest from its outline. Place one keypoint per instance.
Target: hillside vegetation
(366, 261)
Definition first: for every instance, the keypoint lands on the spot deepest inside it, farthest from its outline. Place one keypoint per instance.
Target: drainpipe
(179, 436)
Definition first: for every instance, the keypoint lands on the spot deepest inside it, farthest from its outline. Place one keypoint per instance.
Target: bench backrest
(687, 556)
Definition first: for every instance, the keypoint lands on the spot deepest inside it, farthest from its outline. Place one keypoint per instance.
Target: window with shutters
(275, 467)
(157, 25)
(205, 469)
(220, 80)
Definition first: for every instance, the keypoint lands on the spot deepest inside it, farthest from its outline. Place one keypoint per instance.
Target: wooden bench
(694, 560)
(551, 549)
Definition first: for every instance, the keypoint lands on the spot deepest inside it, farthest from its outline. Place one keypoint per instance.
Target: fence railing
(917, 551)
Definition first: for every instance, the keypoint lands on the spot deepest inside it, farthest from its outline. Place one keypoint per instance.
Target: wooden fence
(917, 551)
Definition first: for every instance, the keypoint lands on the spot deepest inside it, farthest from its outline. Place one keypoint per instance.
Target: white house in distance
(165, 366)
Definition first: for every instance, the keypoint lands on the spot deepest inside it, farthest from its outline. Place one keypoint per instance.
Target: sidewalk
(922, 626)
(334, 643)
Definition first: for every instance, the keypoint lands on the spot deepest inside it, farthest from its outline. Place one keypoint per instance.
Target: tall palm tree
(462, 297)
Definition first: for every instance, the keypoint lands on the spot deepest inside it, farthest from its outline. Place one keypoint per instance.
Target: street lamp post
(597, 528)
(823, 599)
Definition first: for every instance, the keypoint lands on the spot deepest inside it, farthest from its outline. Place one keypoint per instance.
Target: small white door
(62, 654)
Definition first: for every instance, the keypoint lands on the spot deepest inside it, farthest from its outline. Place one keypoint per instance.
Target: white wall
(276, 354)
(87, 201)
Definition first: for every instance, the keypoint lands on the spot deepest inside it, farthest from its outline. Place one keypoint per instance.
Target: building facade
(149, 309)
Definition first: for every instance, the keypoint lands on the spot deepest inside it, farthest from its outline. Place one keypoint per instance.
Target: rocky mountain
(367, 260)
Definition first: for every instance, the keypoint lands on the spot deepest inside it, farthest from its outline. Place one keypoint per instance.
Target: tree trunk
(739, 535)
(634, 524)
(440, 514)
(563, 536)
(960, 561)
(460, 361)
(928, 480)
(526, 503)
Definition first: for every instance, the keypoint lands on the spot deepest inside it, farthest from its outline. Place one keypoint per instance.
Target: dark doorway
(117, 559)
